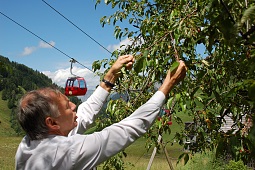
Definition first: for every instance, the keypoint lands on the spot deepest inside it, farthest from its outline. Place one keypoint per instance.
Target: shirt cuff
(100, 91)
(159, 98)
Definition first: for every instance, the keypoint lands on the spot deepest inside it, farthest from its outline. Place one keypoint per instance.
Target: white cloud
(122, 44)
(60, 76)
(28, 51)
(42, 44)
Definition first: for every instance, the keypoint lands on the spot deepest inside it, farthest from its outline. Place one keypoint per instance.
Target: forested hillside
(15, 80)
(5, 126)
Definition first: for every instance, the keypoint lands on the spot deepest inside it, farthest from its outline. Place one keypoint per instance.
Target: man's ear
(51, 123)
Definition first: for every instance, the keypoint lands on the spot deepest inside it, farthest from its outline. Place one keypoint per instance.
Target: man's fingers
(127, 59)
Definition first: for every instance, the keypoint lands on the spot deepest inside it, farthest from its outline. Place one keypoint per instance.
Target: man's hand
(173, 78)
(177, 75)
(123, 61)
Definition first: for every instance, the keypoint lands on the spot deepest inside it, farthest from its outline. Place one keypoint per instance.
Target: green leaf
(205, 63)
(174, 66)
(186, 158)
(199, 105)
(153, 77)
(145, 53)
(180, 157)
(107, 2)
(159, 124)
(169, 102)
(96, 65)
(248, 14)
(139, 64)
(183, 106)
(178, 120)
(251, 91)
(177, 96)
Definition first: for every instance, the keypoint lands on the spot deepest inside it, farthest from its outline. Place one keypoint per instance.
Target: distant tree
(11, 103)
(4, 94)
(19, 92)
(14, 123)
(5, 68)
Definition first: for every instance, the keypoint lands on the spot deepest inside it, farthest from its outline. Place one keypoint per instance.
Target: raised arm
(88, 110)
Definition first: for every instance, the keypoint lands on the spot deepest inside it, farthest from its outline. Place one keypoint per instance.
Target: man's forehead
(55, 95)
(62, 97)
(50, 92)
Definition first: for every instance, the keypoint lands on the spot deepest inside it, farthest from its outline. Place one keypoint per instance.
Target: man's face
(67, 119)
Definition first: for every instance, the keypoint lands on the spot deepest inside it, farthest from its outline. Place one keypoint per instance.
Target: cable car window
(69, 83)
(75, 83)
(82, 84)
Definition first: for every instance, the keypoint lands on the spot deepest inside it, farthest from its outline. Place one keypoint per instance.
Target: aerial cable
(45, 41)
(77, 27)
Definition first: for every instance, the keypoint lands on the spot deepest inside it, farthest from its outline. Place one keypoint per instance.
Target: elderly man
(55, 138)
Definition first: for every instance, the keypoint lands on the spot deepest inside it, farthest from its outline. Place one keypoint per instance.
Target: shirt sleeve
(91, 150)
(88, 110)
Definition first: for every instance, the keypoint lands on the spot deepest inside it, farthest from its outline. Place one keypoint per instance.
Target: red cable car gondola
(75, 86)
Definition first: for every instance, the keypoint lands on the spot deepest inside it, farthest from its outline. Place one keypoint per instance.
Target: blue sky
(21, 46)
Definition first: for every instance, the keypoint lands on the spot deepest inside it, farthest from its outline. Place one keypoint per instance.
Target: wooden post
(153, 153)
(165, 152)
(167, 157)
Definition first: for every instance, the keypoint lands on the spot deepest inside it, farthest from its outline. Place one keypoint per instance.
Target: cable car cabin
(75, 86)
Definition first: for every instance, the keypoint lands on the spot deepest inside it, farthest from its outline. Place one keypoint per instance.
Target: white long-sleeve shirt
(78, 151)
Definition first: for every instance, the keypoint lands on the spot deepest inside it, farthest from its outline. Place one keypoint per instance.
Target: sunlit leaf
(174, 66)
(248, 14)
(139, 64)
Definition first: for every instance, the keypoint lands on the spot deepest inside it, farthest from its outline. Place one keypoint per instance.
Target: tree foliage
(216, 39)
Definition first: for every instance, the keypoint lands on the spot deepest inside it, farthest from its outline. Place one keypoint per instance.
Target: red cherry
(169, 122)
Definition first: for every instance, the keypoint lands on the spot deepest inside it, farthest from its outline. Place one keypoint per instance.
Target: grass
(8, 147)
(208, 161)
(139, 157)
(8, 140)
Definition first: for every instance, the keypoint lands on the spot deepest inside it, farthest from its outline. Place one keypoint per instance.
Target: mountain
(13, 75)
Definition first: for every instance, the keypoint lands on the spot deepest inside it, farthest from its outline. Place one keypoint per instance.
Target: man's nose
(73, 106)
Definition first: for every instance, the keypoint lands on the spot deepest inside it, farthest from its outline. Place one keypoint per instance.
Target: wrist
(108, 82)
(166, 87)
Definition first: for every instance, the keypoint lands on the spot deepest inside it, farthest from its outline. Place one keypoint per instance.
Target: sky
(21, 46)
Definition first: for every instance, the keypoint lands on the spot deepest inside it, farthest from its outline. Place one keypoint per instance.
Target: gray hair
(34, 108)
